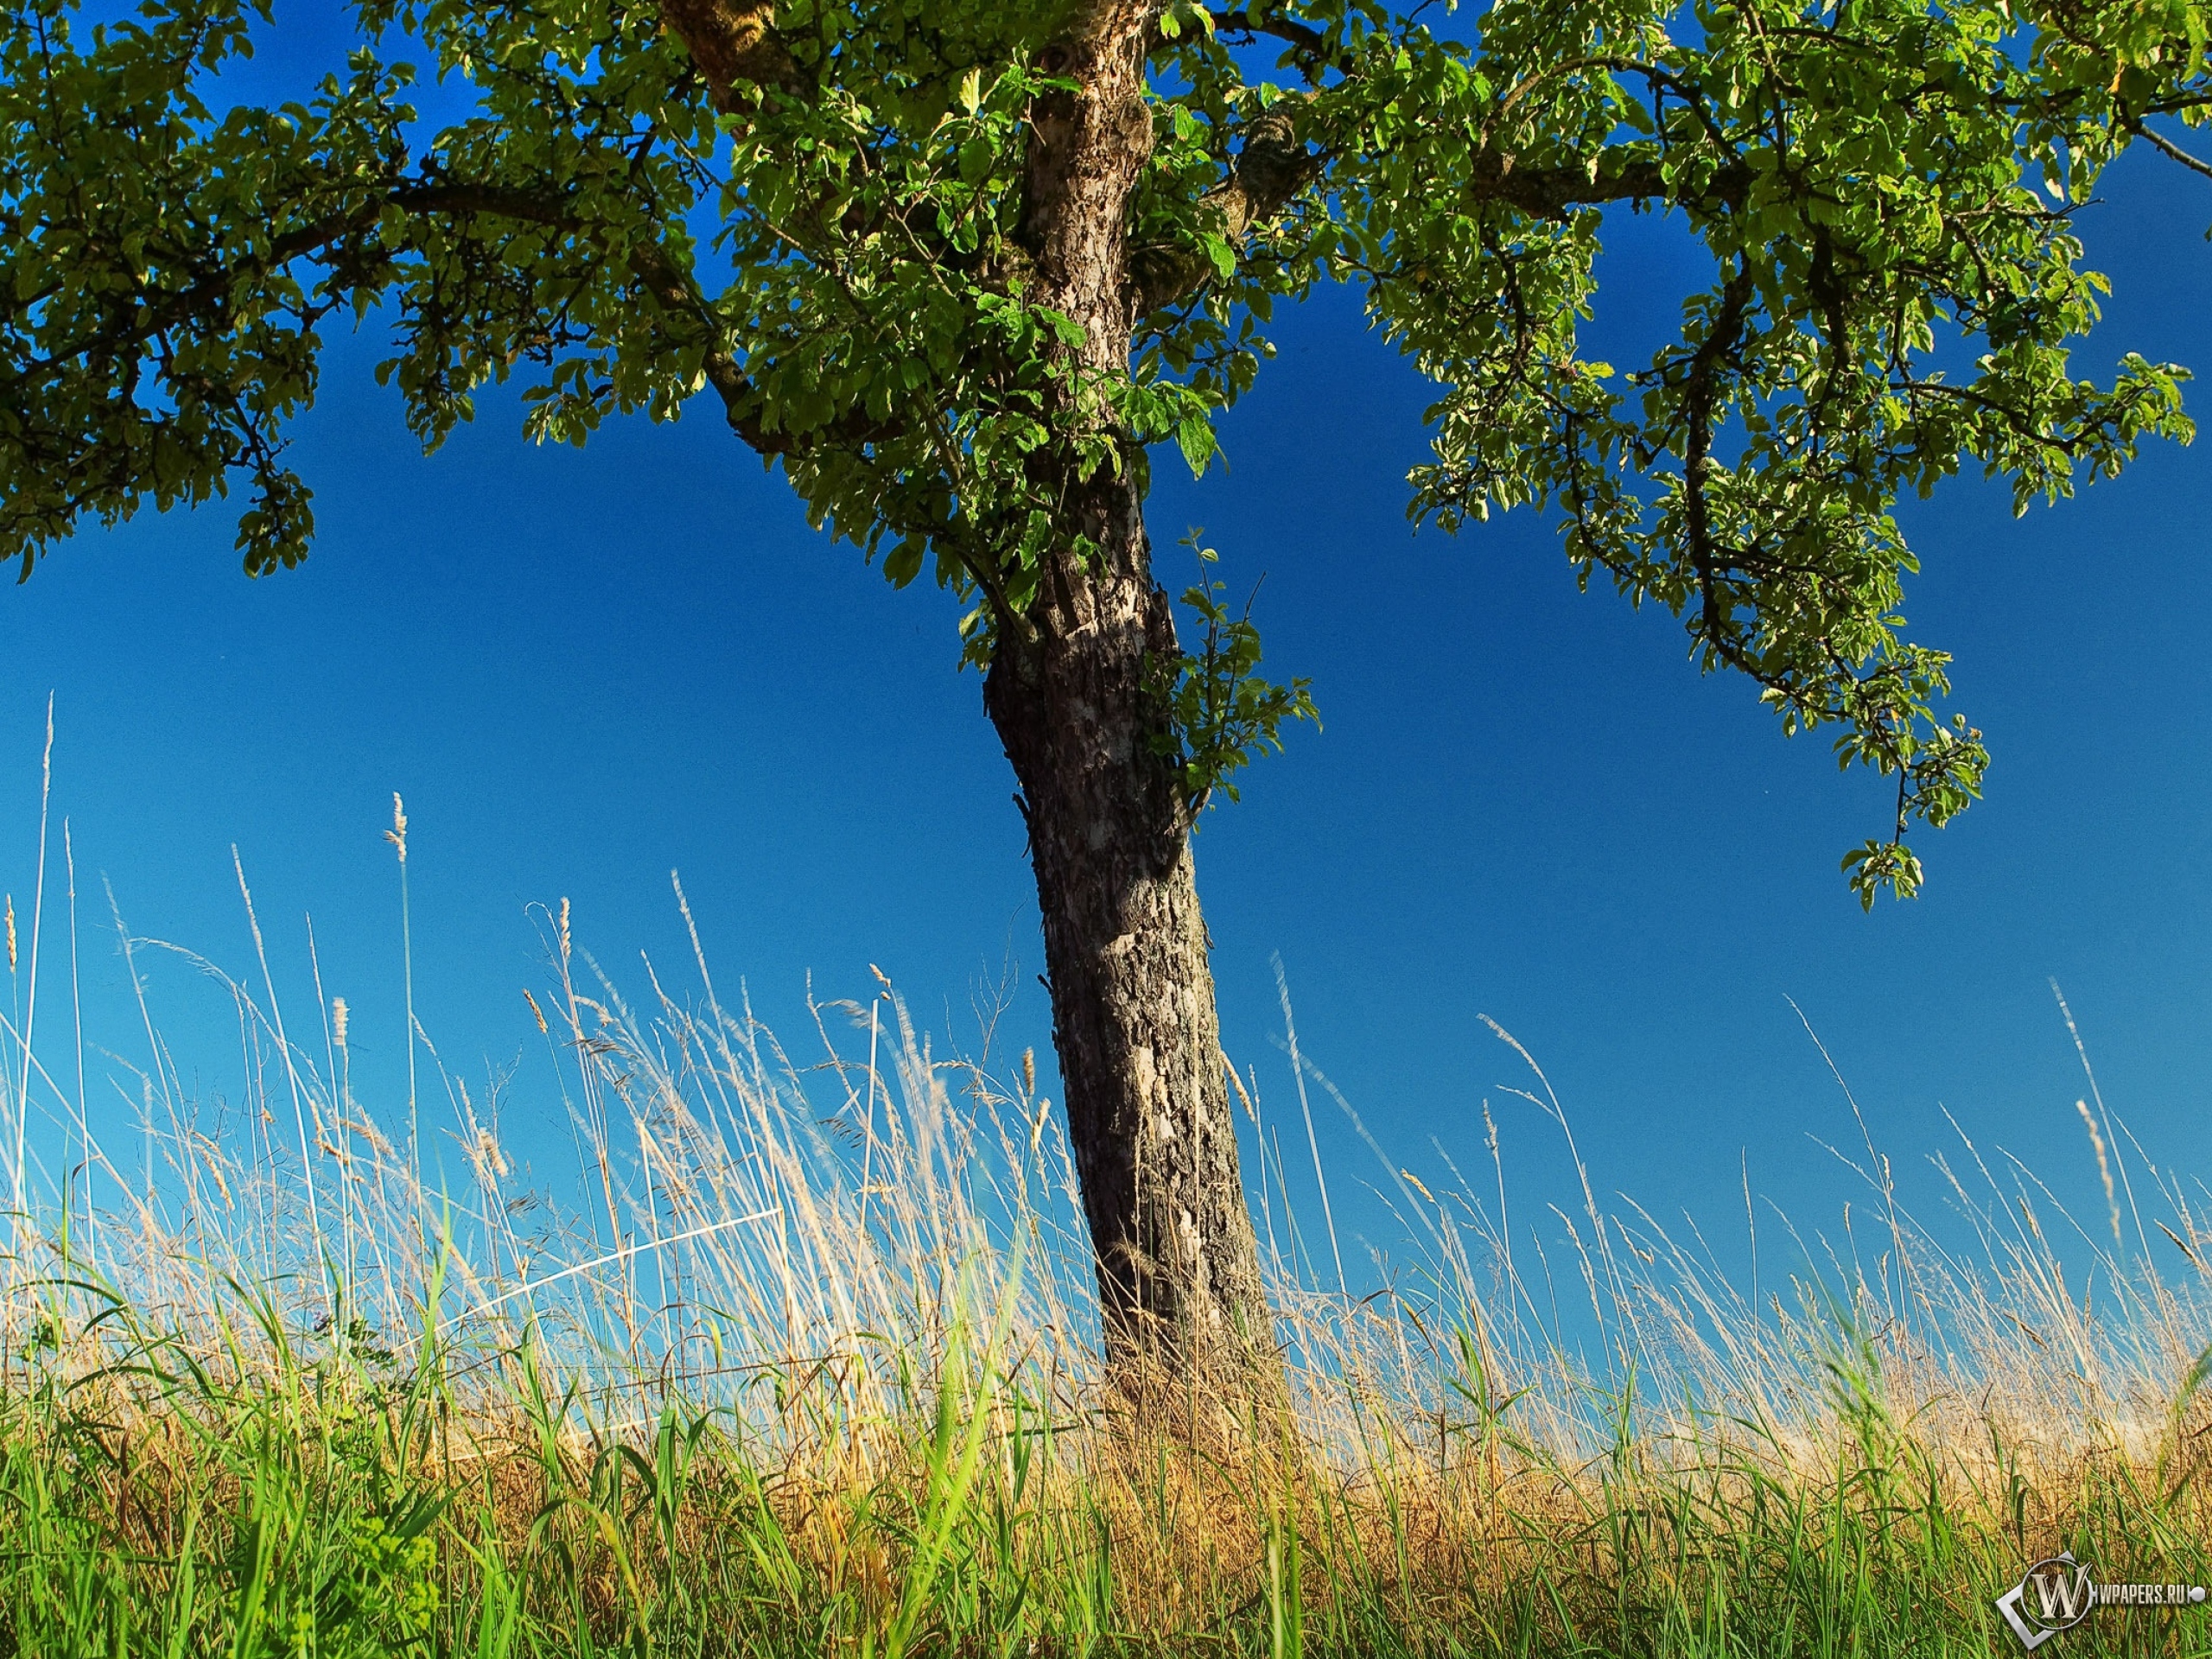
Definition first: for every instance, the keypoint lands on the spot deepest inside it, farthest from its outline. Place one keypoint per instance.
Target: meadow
(805, 1362)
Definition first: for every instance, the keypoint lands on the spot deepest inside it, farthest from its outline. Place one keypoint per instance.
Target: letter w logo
(2063, 1585)
(2064, 1599)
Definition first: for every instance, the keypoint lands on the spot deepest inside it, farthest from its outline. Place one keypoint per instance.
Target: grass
(809, 1369)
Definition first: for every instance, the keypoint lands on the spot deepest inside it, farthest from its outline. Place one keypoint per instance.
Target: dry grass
(809, 1368)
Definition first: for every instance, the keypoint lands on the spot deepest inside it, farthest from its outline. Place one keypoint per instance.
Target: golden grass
(809, 1366)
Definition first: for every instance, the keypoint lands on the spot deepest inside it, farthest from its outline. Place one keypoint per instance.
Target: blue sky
(586, 669)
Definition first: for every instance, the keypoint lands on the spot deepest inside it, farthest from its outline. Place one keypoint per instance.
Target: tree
(962, 268)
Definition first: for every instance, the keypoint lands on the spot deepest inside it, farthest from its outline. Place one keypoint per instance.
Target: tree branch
(1701, 391)
(1553, 192)
(1307, 44)
(2166, 147)
(650, 265)
(1273, 166)
(732, 42)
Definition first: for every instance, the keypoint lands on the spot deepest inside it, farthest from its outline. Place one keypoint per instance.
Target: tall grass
(808, 1366)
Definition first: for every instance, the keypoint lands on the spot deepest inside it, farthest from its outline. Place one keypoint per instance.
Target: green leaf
(1195, 435)
(904, 562)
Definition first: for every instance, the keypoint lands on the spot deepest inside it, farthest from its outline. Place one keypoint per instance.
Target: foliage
(832, 241)
(1222, 715)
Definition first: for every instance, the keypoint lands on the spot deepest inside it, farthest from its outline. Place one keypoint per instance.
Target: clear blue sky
(586, 669)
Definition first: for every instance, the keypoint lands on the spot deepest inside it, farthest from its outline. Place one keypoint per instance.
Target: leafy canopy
(821, 222)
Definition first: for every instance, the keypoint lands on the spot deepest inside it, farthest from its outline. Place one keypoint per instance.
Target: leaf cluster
(1220, 715)
(826, 228)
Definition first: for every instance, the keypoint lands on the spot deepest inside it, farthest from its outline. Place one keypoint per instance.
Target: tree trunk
(1149, 1120)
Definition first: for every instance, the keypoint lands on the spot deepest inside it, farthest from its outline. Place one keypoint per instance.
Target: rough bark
(1149, 1118)
(1126, 948)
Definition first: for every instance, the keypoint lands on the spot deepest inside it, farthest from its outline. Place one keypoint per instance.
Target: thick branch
(1271, 169)
(1275, 165)
(733, 42)
(1554, 192)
